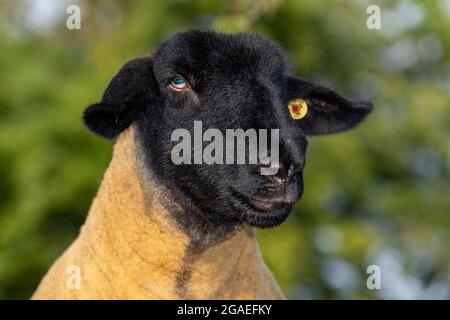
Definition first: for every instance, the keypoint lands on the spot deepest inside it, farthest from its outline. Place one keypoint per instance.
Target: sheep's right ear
(128, 94)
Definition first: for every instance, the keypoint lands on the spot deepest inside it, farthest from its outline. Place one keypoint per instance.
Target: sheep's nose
(284, 172)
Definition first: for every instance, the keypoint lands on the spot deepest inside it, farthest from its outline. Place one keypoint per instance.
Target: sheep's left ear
(327, 111)
(128, 94)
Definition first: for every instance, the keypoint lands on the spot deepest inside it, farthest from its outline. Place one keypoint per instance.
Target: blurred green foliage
(376, 195)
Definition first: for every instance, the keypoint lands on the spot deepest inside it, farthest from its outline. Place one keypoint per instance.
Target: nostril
(294, 170)
(291, 171)
(266, 164)
(278, 180)
(283, 172)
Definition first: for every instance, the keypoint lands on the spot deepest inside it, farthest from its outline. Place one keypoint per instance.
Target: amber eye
(178, 83)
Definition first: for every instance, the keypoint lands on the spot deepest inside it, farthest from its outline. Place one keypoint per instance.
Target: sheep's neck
(134, 241)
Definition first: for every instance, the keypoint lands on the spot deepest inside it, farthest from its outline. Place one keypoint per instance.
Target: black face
(226, 82)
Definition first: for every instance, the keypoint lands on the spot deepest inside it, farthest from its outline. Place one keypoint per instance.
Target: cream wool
(129, 248)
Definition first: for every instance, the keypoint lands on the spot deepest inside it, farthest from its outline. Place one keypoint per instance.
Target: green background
(376, 195)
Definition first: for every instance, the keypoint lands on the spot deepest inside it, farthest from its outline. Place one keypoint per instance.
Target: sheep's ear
(127, 95)
(327, 111)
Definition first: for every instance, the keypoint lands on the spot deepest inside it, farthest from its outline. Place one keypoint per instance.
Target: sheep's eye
(178, 84)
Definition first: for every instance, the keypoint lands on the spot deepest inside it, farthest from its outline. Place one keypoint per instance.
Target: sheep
(160, 230)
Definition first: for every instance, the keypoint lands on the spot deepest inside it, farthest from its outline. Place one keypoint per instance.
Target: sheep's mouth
(266, 203)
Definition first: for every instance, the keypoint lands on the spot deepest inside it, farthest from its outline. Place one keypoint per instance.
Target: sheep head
(199, 80)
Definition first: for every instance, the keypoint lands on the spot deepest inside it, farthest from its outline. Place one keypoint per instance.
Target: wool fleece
(129, 248)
